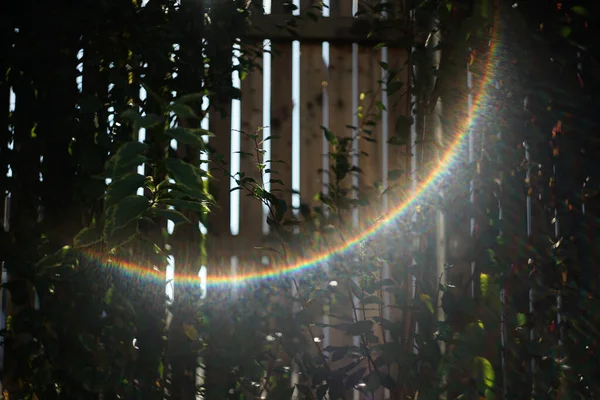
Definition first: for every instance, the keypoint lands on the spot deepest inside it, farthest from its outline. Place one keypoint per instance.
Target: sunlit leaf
(55, 259)
(484, 376)
(425, 298)
(129, 209)
(87, 237)
(190, 331)
(484, 280)
(124, 161)
(192, 137)
(123, 187)
(186, 175)
(173, 215)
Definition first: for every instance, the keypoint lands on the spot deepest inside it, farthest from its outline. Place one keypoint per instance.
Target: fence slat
(339, 84)
(399, 156)
(339, 77)
(311, 117)
(219, 219)
(252, 100)
(281, 120)
(369, 73)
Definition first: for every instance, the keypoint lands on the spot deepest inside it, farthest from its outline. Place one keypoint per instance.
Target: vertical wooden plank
(339, 84)
(220, 54)
(311, 117)
(219, 219)
(399, 153)
(369, 124)
(339, 97)
(312, 77)
(370, 154)
(251, 214)
(281, 114)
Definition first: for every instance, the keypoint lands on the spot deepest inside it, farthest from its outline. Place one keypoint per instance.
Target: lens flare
(218, 277)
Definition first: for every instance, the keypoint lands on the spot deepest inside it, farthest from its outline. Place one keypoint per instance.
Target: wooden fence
(301, 86)
(324, 77)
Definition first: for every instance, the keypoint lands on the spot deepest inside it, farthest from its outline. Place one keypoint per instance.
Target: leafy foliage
(78, 327)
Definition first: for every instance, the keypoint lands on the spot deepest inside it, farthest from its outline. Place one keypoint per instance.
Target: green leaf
(123, 187)
(373, 382)
(359, 328)
(87, 237)
(339, 353)
(188, 176)
(580, 10)
(387, 381)
(393, 87)
(403, 125)
(183, 111)
(187, 205)
(133, 116)
(192, 137)
(128, 210)
(318, 294)
(425, 298)
(372, 300)
(173, 215)
(483, 374)
(161, 370)
(150, 120)
(397, 141)
(484, 280)
(312, 16)
(108, 297)
(55, 259)
(190, 331)
(331, 139)
(191, 98)
(395, 174)
(521, 319)
(355, 377)
(565, 31)
(127, 157)
(155, 96)
(121, 236)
